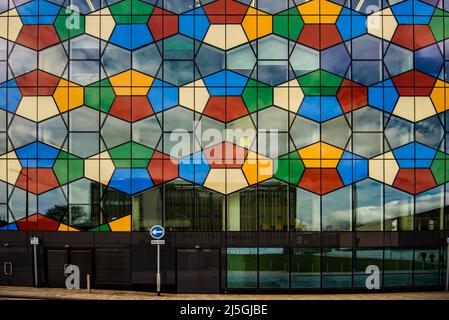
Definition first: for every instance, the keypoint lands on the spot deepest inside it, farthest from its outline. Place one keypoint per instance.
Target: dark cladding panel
(241, 239)
(14, 238)
(113, 266)
(305, 239)
(337, 239)
(399, 239)
(369, 239)
(202, 239)
(73, 239)
(112, 239)
(273, 239)
(429, 238)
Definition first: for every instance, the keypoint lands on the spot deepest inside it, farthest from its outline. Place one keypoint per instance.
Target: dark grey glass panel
(273, 268)
(305, 268)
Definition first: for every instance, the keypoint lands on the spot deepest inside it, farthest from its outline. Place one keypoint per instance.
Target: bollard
(88, 283)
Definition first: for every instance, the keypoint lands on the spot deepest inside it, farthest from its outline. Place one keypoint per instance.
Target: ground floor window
(333, 268)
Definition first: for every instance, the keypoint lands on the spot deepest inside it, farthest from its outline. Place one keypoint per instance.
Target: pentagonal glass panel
(84, 144)
(430, 132)
(272, 48)
(115, 132)
(53, 131)
(178, 72)
(178, 119)
(53, 204)
(367, 72)
(22, 60)
(367, 145)
(147, 60)
(84, 72)
(336, 60)
(367, 47)
(147, 132)
(273, 119)
(367, 119)
(178, 47)
(210, 60)
(22, 203)
(115, 60)
(398, 60)
(241, 60)
(180, 144)
(273, 72)
(22, 131)
(271, 145)
(399, 132)
(84, 119)
(179, 6)
(209, 132)
(81, 191)
(48, 57)
(304, 132)
(83, 47)
(336, 132)
(273, 7)
(304, 60)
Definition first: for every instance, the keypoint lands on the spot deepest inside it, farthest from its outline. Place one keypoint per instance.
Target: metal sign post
(34, 241)
(447, 266)
(157, 232)
(158, 274)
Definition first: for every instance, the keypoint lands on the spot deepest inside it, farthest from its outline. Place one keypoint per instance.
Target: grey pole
(447, 267)
(35, 264)
(158, 275)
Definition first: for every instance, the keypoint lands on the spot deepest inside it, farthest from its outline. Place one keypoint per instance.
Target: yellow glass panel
(257, 24)
(438, 96)
(257, 168)
(131, 83)
(68, 95)
(121, 224)
(319, 11)
(320, 155)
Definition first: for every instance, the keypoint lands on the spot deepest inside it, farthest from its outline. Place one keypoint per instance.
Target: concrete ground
(82, 294)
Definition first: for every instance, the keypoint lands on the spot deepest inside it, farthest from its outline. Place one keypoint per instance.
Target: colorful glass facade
(95, 96)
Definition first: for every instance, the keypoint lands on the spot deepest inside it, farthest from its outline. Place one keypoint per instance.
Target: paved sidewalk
(56, 293)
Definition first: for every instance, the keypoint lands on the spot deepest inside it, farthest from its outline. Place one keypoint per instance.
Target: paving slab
(8, 292)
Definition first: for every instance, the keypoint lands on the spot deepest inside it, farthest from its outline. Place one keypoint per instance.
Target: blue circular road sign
(157, 232)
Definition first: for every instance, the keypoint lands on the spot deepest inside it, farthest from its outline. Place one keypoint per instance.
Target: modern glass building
(285, 145)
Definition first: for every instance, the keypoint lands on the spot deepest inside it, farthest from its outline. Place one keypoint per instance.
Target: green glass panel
(68, 168)
(102, 228)
(99, 95)
(69, 24)
(288, 24)
(320, 83)
(290, 168)
(439, 25)
(439, 168)
(131, 155)
(131, 11)
(257, 96)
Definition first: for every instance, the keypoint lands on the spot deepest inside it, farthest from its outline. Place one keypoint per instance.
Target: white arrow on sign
(156, 232)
